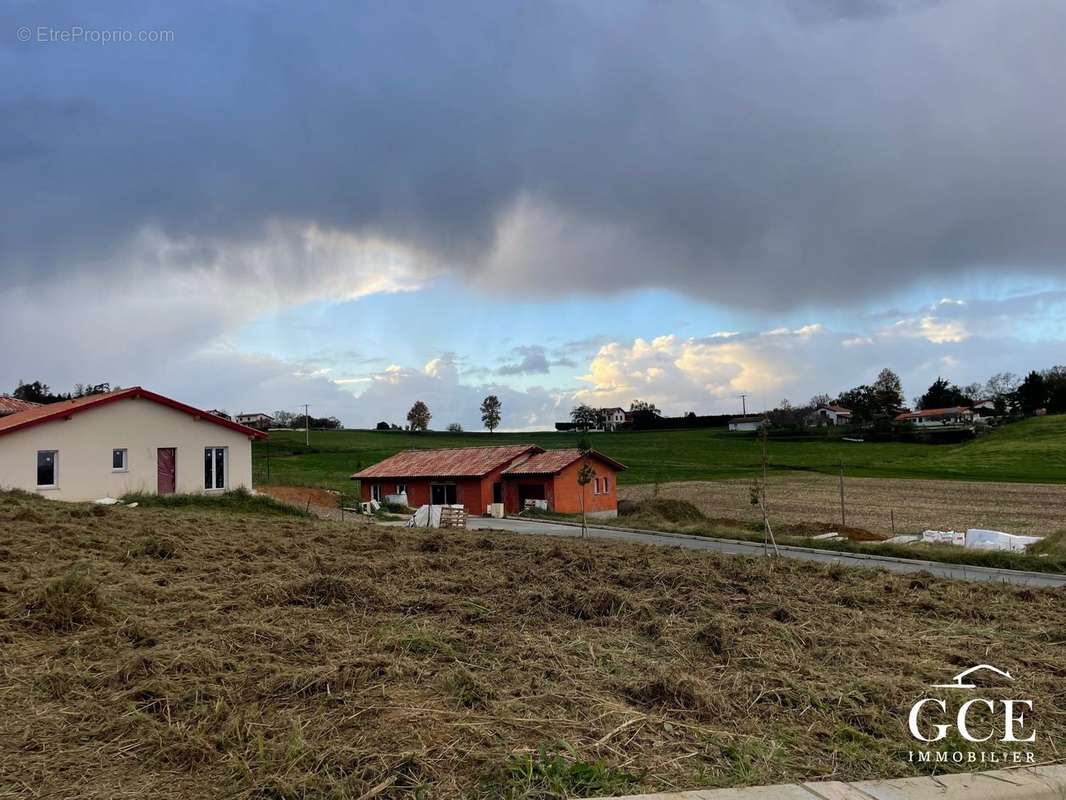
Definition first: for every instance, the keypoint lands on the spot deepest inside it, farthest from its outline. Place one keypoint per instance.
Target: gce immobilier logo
(932, 718)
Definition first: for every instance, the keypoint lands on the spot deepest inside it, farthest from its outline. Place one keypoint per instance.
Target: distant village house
(829, 414)
(259, 421)
(938, 417)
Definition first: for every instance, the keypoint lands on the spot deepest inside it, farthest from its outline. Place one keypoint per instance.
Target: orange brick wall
(561, 491)
(567, 493)
(473, 493)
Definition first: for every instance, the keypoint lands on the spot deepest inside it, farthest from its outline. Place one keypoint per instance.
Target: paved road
(740, 548)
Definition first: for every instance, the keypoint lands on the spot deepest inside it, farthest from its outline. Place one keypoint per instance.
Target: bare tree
(758, 497)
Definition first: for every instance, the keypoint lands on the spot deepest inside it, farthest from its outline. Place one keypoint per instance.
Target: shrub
(239, 501)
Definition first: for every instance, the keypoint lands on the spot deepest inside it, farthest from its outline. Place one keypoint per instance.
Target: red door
(166, 470)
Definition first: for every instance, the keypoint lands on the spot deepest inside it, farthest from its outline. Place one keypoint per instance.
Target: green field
(1031, 451)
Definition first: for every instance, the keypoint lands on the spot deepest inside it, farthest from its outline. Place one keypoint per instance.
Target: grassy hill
(220, 648)
(1032, 451)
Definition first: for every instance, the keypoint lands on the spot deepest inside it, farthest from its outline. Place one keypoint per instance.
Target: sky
(253, 206)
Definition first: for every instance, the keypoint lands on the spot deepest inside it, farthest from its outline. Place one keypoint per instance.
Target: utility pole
(744, 405)
(307, 426)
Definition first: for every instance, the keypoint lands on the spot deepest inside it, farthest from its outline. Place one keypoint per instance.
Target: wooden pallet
(452, 517)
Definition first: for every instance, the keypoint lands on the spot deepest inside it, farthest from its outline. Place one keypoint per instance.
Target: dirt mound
(667, 509)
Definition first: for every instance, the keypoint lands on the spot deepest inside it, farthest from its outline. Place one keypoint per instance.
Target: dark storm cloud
(762, 153)
(531, 360)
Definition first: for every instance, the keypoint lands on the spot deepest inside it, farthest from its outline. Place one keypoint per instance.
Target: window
(605, 487)
(118, 460)
(443, 494)
(375, 492)
(401, 488)
(214, 467)
(47, 463)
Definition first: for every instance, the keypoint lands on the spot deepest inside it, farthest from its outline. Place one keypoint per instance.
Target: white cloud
(932, 328)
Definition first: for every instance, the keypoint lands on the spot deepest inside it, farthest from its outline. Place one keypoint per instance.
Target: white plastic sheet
(427, 517)
(984, 539)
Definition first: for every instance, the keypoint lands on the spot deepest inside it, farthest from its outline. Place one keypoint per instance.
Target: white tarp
(944, 537)
(983, 539)
(397, 499)
(427, 517)
(980, 539)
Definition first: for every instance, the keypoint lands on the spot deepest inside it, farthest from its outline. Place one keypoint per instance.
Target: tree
(1032, 393)
(584, 417)
(640, 405)
(820, 400)
(455, 427)
(490, 412)
(862, 402)
(36, 392)
(418, 417)
(287, 419)
(1055, 380)
(941, 394)
(888, 392)
(974, 392)
(877, 403)
(1002, 384)
(585, 476)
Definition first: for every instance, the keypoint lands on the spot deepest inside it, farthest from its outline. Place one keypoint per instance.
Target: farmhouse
(938, 417)
(613, 418)
(129, 440)
(829, 414)
(513, 475)
(257, 420)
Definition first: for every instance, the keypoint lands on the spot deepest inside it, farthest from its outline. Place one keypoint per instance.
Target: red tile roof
(66, 408)
(934, 412)
(836, 408)
(553, 461)
(456, 462)
(12, 405)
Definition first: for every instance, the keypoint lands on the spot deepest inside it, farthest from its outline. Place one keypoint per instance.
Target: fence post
(843, 516)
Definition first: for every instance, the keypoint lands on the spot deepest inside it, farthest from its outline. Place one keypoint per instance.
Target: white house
(829, 414)
(130, 440)
(612, 418)
(955, 416)
(258, 420)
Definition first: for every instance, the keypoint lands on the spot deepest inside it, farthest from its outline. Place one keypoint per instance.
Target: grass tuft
(65, 604)
(556, 773)
(154, 546)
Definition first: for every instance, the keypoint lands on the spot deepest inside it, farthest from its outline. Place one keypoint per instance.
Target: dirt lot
(174, 653)
(918, 505)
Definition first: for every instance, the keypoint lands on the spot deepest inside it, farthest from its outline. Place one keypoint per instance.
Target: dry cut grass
(186, 652)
